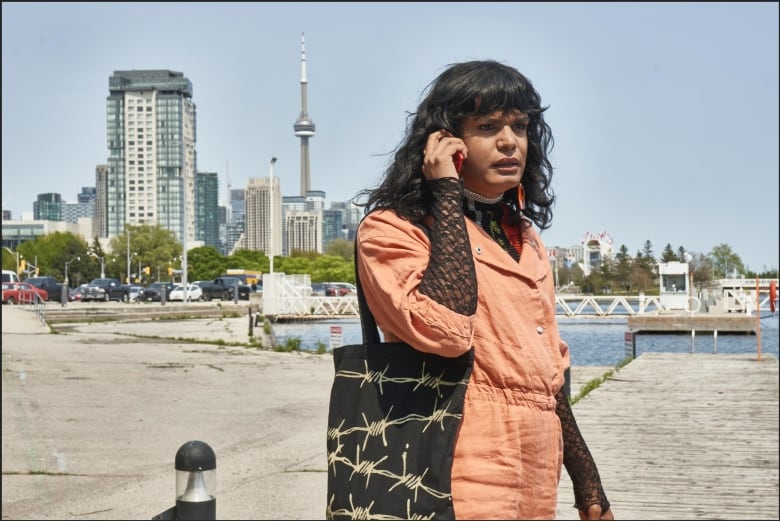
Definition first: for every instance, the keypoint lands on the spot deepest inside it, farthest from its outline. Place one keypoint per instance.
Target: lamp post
(102, 263)
(130, 266)
(127, 231)
(66, 268)
(14, 253)
(271, 215)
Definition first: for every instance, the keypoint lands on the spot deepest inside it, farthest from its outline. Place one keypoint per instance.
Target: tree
(623, 269)
(205, 263)
(249, 260)
(668, 254)
(332, 268)
(293, 265)
(701, 268)
(681, 254)
(156, 247)
(343, 248)
(725, 262)
(647, 252)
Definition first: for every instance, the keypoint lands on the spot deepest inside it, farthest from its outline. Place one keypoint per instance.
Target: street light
(102, 263)
(66, 269)
(16, 254)
(271, 215)
(127, 231)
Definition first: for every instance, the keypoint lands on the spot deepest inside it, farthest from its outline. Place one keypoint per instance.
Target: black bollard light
(196, 484)
(196, 481)
(251, 323)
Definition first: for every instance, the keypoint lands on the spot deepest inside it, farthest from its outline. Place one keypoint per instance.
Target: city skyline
(665, 129)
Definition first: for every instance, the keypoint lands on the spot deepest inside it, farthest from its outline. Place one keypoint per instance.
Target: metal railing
(34, 303)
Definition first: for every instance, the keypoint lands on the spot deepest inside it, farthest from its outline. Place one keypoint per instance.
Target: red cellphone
(458, 160)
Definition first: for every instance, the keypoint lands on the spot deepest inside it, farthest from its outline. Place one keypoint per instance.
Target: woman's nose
(507, 139)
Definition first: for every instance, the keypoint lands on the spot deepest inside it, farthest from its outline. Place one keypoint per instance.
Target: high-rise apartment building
(151, 141)
(264, 216)
(207, 208)
(303, 231)
(47, 207)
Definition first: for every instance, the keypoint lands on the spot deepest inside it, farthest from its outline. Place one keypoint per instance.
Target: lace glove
(577, 458)
(450, 278)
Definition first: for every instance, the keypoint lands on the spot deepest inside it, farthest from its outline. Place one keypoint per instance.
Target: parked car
(222, 288)
(48, 284)
(76, 294)
(153, 292)
(339, 289)
(133, 291)
(194, 292)
(10, 276)
(22, 292)
(105, 290)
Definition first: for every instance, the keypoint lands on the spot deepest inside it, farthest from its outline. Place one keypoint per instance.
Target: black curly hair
(474, 88)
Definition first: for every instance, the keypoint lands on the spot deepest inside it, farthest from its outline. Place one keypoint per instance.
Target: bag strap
(367, 320)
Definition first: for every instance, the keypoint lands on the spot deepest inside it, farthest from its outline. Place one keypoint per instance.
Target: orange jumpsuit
(509, 451)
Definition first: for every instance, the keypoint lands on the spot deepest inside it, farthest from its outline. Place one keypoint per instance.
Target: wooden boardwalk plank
(685, 436)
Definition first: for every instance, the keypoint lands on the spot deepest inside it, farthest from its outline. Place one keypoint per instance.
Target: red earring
(521, 197)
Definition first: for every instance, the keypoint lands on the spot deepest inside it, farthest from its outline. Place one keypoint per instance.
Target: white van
(10, 276)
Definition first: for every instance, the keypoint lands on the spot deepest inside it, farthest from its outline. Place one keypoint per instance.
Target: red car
(22, 293)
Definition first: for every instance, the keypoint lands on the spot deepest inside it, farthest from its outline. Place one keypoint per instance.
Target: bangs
(500, 92)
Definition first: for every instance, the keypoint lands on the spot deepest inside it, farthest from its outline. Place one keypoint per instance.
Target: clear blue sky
(665, 115)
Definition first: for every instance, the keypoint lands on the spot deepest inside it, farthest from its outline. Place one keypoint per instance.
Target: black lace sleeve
(450, 278)
(578, 460)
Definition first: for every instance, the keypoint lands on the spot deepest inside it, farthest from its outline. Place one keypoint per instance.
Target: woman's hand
(438, 155)
(594, 512)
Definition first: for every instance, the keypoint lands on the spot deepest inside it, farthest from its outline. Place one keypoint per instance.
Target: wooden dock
(684, 322)
(684, 436)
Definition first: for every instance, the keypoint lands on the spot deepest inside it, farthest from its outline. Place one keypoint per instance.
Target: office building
(48, 207)
(207, 208)
(236, 224)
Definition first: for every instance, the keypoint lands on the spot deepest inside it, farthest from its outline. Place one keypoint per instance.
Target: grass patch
(596, 382)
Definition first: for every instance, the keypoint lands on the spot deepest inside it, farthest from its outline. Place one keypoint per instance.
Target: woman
(450, 259)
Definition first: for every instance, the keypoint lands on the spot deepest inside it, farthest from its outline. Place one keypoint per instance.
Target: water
(593, 342)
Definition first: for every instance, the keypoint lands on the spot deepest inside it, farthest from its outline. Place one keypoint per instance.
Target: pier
(684, 323)
(684, 436)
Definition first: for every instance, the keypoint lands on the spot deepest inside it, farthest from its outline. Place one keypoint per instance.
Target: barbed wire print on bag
(394, 413)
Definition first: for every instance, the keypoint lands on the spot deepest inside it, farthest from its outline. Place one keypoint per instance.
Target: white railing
(616, 306)
(284, 296)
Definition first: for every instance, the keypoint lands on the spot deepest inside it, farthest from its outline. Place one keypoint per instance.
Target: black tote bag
(393, 418)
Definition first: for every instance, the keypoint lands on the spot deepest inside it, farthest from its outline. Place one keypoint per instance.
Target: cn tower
(304, 127)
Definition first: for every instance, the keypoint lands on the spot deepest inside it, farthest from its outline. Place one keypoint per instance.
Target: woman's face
(497, 148)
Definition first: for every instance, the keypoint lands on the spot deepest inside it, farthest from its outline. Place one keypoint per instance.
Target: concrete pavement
(93, 414)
